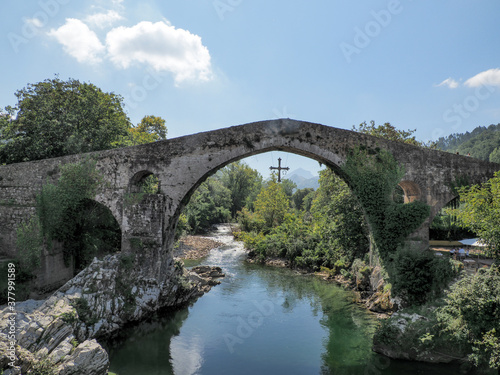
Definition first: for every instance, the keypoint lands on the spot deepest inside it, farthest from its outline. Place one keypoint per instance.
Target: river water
(260, 320)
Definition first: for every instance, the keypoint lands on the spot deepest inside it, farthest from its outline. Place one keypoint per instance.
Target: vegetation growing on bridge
(67, 213)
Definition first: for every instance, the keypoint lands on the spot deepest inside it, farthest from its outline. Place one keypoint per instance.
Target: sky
(433, 66)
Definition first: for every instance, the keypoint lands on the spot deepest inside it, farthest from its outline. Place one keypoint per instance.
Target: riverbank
(60, 333)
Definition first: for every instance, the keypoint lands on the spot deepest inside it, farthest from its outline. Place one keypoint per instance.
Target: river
(260, 320)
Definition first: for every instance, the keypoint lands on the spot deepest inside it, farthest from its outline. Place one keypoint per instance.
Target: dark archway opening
(92, 232)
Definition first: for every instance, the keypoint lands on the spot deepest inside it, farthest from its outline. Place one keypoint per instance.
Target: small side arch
(412, 191)
(144, 181)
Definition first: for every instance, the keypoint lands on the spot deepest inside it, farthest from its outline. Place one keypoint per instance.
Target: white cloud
(489, 77)
(161, 46)
(450, 83)
(103, 20)
(79, 41)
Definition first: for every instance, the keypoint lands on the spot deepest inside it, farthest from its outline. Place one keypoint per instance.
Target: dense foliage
(419, 276)
(55, 118)
(310, 229)
(472, 315)
(210, 204)
(150, 129)
(243, 183)
(220, 198)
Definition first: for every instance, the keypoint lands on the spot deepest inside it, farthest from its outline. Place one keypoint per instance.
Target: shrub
(472, 314)
(417, 276)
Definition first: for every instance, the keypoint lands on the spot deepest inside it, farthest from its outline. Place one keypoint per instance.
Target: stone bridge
(182, 164)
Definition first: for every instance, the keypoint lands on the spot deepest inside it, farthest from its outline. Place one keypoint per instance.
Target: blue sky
(207, 64)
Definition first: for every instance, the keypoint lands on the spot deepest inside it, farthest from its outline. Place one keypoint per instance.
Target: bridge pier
(143, 231)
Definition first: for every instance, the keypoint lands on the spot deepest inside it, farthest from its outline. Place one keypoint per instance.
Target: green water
(260, 320)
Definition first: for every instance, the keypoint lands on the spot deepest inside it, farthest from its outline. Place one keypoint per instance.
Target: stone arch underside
(332, 165)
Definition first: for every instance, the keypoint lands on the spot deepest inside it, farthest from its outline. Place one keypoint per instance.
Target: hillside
(482, 143)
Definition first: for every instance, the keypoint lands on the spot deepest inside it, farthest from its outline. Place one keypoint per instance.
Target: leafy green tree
(56, 118)
(288, 187)
(480, 211)
(390, 132)
(339, 216)
(210, 204)
(272, 204)
(150, 129)
(299, 199)
(243, 182)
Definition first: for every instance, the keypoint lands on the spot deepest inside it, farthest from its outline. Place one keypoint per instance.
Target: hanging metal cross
(279, 168)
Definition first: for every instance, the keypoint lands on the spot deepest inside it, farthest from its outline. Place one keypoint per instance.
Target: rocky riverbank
(60, 333)
(195, 247)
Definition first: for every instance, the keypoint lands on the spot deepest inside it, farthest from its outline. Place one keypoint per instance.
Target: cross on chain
(279, 168)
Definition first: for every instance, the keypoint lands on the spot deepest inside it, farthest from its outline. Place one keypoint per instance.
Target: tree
(338, 215)
(388, 131)
(288, 187)
(150, 129)
(208, 205)
(243, 182)
(299, 199)
(272, 204)
(57, 118)
(480, 211)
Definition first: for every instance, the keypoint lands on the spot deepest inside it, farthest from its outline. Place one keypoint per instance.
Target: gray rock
(89, 358)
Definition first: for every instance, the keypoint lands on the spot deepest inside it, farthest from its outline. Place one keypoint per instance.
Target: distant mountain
(303, 179)
(482, 143)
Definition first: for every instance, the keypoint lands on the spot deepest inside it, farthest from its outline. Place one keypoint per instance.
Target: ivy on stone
(373, 175)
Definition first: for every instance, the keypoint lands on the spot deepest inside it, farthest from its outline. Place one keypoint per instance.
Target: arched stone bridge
(181, 164)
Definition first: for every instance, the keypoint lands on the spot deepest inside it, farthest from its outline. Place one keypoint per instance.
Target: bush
(472, 314)
(29, 245)
(417, 276)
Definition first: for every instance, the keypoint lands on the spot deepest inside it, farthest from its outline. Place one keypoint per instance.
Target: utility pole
(279, 168)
